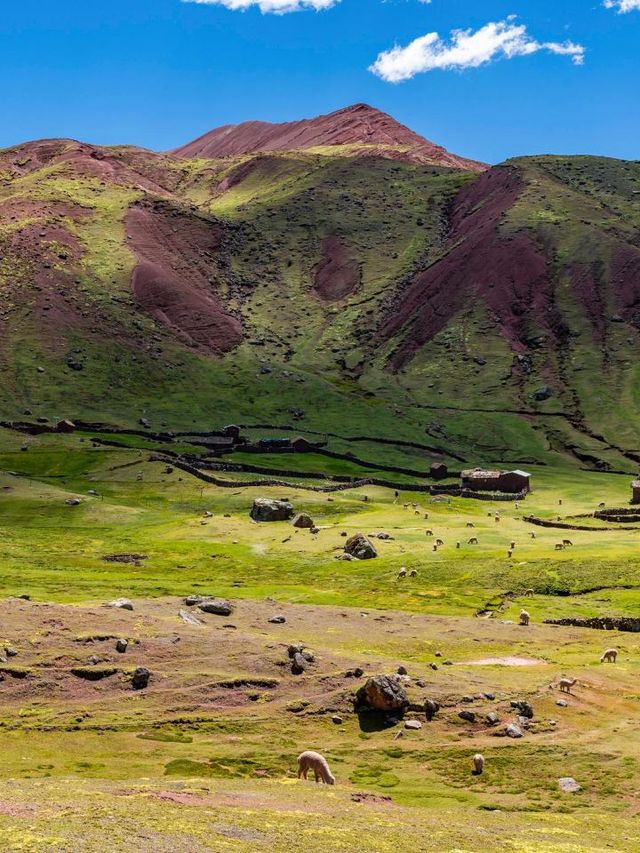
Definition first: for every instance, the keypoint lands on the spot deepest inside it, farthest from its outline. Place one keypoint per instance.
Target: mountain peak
(356, 125)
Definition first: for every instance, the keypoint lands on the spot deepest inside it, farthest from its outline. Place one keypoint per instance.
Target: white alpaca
(310, 760)
(478, 764)
(402, 573)
(525, 617)
(609, 656)
(566, 684)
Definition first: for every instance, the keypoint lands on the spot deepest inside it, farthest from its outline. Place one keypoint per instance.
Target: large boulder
(360, 547)
(266, 509)
(217, 606)
(382, 693)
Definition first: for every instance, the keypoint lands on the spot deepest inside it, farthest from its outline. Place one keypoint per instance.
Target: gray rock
(266, 509)
(298, 664)
(217, 606)
(382, 693)
(360, 547)
(10, 652)
(277, 620)
(492, 718)
(73, 502)
(468, 716)
(562, 703)
(194, 599)
(121, 604)
(523, 708)
(513, 731)
(303, 521)
(140, 678)
(189, 618)
(569, 785)
(346, 557)
(413, 724)
(431, 708)
(337, 719)
(401, 670)
(121, 646)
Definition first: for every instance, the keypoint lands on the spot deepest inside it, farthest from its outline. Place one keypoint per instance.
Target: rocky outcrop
(382, 693)
(267, 509)
(360, 547)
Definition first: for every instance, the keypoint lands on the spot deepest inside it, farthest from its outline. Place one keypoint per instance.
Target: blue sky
(563, 76)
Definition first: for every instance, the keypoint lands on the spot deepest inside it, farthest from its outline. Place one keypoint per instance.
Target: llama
(310, 760)
(609, 656)
(525, 618)
(566, 684)
(478, 764)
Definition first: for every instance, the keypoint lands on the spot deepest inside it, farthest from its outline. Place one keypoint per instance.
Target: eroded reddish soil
(359, 124)
(338, 274)
(175, 279)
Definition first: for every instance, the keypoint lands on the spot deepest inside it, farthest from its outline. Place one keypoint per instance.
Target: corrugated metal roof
(520, 473)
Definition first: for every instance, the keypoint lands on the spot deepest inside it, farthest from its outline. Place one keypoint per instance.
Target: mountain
(358, 126)
(493, 314)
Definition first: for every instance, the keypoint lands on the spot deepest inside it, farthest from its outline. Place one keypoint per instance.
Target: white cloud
(467, 49)
(622, 5)
(277, 7)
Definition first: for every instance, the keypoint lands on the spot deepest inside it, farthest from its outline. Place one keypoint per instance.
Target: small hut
(65, 425)
(635, 492)
(511, 482)
(481, 480)
(438, 471)
(302, 445)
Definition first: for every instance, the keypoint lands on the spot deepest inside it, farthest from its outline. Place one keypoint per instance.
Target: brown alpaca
(310, 760)
(566, 684)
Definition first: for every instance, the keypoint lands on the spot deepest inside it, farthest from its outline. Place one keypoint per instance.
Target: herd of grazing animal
(310, 761)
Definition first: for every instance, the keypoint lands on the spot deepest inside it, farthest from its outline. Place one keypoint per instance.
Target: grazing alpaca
(473, 541)
(470, 524)
(429, 532)
(478, 764)
(431, 708)
(566, 684)
(413, 573)
(567, 543)
(318, 763)
(525, 618)
(509, 554)
(402, 573)
(609, 656)
(513, 546)
(529, 592)
(439, 542)
(559, 546)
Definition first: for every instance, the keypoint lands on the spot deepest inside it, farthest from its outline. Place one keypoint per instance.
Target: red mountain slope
(355, 125)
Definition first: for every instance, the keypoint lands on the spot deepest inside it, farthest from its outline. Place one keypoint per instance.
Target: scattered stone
(401, 670)
(447, 663)
(562, 703)
(346, 557)
(121, 604)
(523, 708)
(10, 652)
(360, 547)
(383, 536)
(337, 719)
(569, 785)
(543, 393)
(121, 646)
(295, 649)
(468, 716)
(266, 509)
(490, 696)
(217, 606)
(431, 708)
(298, 664)
(303, 521)
(413, 724)
(140, 678)
(73, 502)
(315, 530)
(433, 665)
(189, 618)
(382, 693)
(467, 699)
(192, 600)
(492, 718)
(513, 731)
(278, 620)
